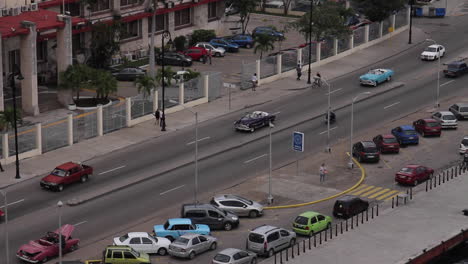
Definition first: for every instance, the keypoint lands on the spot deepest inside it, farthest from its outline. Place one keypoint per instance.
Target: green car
(310, 222)
(124, 255)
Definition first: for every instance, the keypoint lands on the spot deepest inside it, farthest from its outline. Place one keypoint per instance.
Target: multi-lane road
(223, 152)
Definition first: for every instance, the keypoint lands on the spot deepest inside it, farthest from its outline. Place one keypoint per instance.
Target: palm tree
(104, 83)
(167, 76)
(7, 118)
(145, 84)
(263, 43)
(74, 78)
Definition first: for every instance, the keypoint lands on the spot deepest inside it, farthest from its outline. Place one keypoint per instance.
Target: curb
(363, 177)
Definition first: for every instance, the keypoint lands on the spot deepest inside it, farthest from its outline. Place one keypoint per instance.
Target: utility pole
(152, 70)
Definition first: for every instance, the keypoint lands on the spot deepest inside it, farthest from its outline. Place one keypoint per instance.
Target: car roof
(229, 197)
(137, 234)
(196, 48)
(119, 247)
(429, 120)
(201, 206)
(368, 143)
(190, 235)
(388, 136)
(456, 62)
(412, 166)
(264, 229)
(178, 221)
(347, 198)
(445, 113)
(67, 166)
(309, 214)
(407, 127)
(434, 46)
(229, 251)
(462, 104)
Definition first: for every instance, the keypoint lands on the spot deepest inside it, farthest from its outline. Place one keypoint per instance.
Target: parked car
(428, 127)
(460, 110)
(254, 120)
(266, 240)
(376, 77)
(286, 55)
(406, 135)
(123, 254)
(244, 41)
(129, 74)
(234, 256)
(387, 143)
(197, 54)
(348, 206)
(269, 31)
(366, 151)
(189, 245)
(66, 174)
(413, 174)
(433, 52)
(274, 4)
(47, 247)
(144, 243)
(215, 51)
(455, 69)
(210, 215)
(231, 10)
(2, 214)
(446, 119)
(174, 58)
(361, 23)
(175, 227)
(463, 145)
(310, 222)
(238, 205)
(225, 44)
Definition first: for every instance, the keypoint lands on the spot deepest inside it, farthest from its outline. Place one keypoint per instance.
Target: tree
(286, 5)
(76, 76)
(328, 20)
(263, 43)
(103, 83)
(105, 42)
(378, 11)
(167, 75)
(202, 35)
(179, 43)
(245, 7)
(7, 119)
(145, 84)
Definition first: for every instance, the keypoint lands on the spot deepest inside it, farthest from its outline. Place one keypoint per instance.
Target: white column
(181, 93)
(279, 58)
(318, 51)
(2, 107)
(335, 46)
(299, 56)
(380, 29)
(64, 55)
(351, 41)
(366, 33)
(70, 129)
(393, 18)
(155, 100)
(408, 15)
(39, 138)
(99, 121)
(116, 8)
(347, 4)
(29, 97)
(205, 86)
(257, 70)
(128, 112)
(5, 148)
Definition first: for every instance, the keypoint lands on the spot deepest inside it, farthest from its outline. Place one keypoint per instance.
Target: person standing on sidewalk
(157, 115)
(254, 81)
(299, 72)
(323, 172)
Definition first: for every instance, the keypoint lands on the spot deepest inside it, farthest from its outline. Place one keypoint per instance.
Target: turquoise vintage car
(176, 227)
(376, 76)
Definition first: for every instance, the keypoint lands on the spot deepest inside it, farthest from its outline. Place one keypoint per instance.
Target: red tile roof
(55, 3)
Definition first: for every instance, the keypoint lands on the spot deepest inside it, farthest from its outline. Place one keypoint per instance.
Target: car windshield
(181, 241)
(247, 201)
(452, 67)
(465, 142)
(432, 124)
(449, 117)
(376, 72)
(409, 132)
(59, 172)
(301, 220)
(256, 238)
(166, 225)
(407, 170)
(463, 109)
(389, 140)
(123, 238)
(222, 258)
(371, 149)
(251, 116)
(430, 49)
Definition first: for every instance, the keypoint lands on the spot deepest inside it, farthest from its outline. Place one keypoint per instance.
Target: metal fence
(247, 70)
(84, 126)
(193, 89)
(268, 66)
(215, 83)
(401, 18)
(141, 105)
(26, 140)
(114, 116)
(359, 36)
(305, 54)
(54, 135)
(288, 60)
(374, 31)
(327, 48)
(387, 23)
(343, 44)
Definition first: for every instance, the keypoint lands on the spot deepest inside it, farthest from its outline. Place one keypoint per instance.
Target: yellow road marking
(360, 188)
(387, 194)
(392, 196)
(379, 193)
(386, 164)
(371, 191)
(363, 190)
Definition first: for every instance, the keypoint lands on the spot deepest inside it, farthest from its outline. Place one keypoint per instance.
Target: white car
(446, 119)
(433, 52)
(463, 145)
(217, 52)
(144, 243)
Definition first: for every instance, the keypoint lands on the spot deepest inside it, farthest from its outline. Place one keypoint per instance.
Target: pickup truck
(455, 69)
(66, 174)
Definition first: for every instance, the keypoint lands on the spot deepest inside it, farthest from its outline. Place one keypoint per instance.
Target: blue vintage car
(254, 120)
(376, 76)
(406, 135)
(175, 227)
(244, 41)
(226, 44)
(269, 31)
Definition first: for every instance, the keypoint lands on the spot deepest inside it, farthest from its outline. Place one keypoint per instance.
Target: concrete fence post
(408, 15)
(39, 138)
(181, 93)
(70, 129)
(380, 29)
(206, 86)
(393, 19)
(335, 46)
(351, 41)
(318, 51)
(155, 100)
(99, 121)
(5, 149)
(366, 33)
(257, 70)
(128, 111)
(299, 56)
(279, 58)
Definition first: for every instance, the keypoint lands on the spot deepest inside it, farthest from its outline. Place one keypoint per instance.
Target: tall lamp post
(312, 2)
(59, 206)
(328, 115)
(411, 3)
(17, 73)
(7, 245)
(350, 163)
(196, 148)
(270, 195)
(438, 73)
(152, 70)
(165, 34)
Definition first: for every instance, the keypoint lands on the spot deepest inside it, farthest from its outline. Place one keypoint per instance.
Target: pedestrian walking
(157, 115)
(254, 81)
(299, 72)
(209, 55)
(323, 172)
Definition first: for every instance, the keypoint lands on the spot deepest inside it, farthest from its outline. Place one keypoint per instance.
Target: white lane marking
(111, 170)
(256, 158)
(321, 133)
(447, 82)
(201, 139)
(19, 201)
(80, 223)
(334, 91)
(173, 189)
(388, 106)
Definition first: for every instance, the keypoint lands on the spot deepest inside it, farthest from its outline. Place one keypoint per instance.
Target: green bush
(202, 35)
(180, 42)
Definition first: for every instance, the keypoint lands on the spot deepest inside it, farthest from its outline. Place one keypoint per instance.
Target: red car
(428, 127)
(387, 143)
(2, 214)
(413, 174)
(196, 53)
(45, 248)
(65, 174)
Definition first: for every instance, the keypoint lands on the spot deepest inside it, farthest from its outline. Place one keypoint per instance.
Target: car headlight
(235, 218)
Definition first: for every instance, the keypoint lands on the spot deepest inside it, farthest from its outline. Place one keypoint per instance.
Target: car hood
(429, 53)
(245, 121)
(220, 49)
(117, 241)
(66, 231)
(163, 241)
(159, 228)
(32, 247)
(52, 178)
(368, 76)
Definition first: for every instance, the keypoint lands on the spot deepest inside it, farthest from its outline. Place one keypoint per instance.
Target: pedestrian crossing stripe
(362, 190)
(378, 193)
(387, 194)
(392, 196)
(374, 192)
(371, 191)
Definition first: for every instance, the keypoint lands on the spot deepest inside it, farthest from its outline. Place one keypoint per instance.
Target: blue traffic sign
(298, 141)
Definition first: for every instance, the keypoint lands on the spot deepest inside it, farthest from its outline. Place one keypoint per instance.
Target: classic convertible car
(47, 247)
(254, 120)
(376, 76)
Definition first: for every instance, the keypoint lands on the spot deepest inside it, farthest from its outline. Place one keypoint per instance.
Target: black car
(208, 214)
(128, 74)
(348, 206)
(366, 151)
(254, 120)
(174, 58)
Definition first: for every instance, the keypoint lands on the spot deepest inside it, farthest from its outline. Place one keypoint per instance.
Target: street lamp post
(310, 39)
(16, 72)
(438, 74)
(410, 32)
(59, 205)
(152, 70)
(270, 196)
(7, 244)
(328, 115)
(165, 34)
(350, 163)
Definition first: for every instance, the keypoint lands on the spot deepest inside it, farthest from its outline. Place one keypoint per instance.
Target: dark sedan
(129, 74)
(254, 120)
(174, 58)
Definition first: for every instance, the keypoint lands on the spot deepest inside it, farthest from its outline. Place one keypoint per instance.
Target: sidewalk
(108, 143)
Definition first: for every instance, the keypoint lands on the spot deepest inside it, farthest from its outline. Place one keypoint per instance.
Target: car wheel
(191, 255)
(328, 225)
(415, 182)
(45, 259)
(248, 46)
(84, 178)
(252, 129)
(271, 252)
(74, 247)
(227, 226)
(162, 251)
(213, 246)
(253, 214)
(292, 242)
(389, 78)
(254, 261)
(60, 188)
(374, 84)
(217, 54)
(311, 233)
(170, 238)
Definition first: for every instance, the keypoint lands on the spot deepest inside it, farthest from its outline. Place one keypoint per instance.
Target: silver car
(463, 145)
(217, 52)
(235, 256)
(460, 110)
(189, 245)
(266, 240)
(238, 205)
(446, 119)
